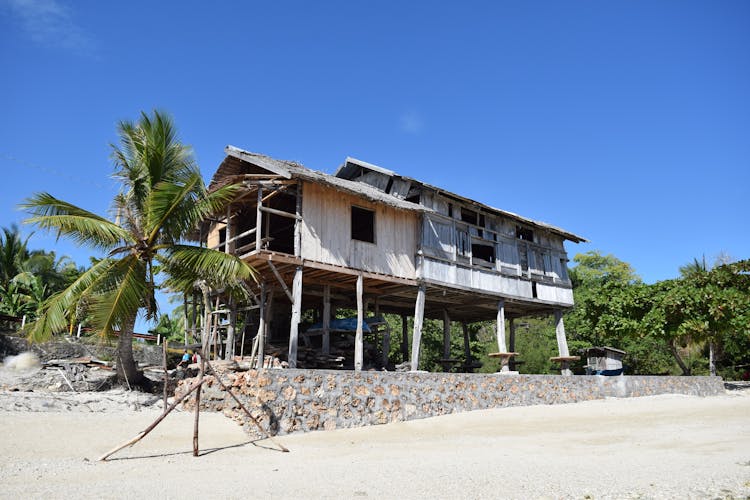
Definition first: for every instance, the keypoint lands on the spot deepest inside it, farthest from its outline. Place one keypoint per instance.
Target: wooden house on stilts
(368, 239)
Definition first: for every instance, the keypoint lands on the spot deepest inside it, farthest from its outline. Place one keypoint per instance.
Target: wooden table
(565, 363)
(504, 359)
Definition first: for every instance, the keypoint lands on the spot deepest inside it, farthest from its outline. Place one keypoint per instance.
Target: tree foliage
(162, 199)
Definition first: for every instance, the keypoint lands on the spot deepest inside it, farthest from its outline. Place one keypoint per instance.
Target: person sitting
(185, 359)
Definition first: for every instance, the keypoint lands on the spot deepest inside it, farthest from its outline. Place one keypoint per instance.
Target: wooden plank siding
(326, 233)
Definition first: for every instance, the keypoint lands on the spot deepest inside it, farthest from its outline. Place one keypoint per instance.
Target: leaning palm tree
(161, 202)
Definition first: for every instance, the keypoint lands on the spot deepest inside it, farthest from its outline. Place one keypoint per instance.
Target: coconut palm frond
(166, 215)
(184, 264)
(55, 311)
(116, 307)
(84, 227)
(214, 202)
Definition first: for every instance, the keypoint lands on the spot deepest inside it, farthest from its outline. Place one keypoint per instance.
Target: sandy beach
(651, 447)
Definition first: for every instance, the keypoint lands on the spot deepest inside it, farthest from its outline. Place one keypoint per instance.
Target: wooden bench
(565, 363)
(448, 364)
(504, 359)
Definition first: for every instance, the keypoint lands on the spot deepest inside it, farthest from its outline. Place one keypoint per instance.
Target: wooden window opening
(363, 224)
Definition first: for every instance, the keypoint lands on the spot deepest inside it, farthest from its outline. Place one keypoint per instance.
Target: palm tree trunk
(127, 371)
(685, 369)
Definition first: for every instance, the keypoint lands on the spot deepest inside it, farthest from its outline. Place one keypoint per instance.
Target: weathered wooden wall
(326, 233)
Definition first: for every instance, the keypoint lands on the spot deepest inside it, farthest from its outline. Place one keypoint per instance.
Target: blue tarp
(346, 324)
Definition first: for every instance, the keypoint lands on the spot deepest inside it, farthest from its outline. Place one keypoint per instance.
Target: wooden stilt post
(446, 341)
(229, 349)
(326, 319)
(358, 341)
(267, 332)
(259, 220)
(562, 342)
(258, 347)
(512, 342)
(501, 332)
(501, 347)
(386, 336)
(417, 335)
(467, 347)
(562, 345)
(296, 315)
(404, 337)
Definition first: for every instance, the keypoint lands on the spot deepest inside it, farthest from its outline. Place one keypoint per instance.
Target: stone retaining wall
(291, 400)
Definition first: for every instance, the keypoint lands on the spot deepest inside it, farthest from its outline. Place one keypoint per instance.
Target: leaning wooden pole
(166, 373)
(247, 412)
(198, 407)
(142, 434)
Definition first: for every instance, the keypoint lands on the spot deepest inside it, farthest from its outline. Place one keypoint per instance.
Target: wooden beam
(281, 280)
(358, 347)
(296, 314)
(298, 222)
(326, 319)
(417, 335)
(467, 343)
(280, 213)
(404, 337)
(259, 219)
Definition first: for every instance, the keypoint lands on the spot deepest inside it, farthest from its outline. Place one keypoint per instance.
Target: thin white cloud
(411, 123)
(50, 23)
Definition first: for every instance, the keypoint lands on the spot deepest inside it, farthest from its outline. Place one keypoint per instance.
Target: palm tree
(13, 253)
(161, 202)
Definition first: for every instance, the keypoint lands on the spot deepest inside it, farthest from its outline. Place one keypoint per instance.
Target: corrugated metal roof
(352, 166)
(232, 170)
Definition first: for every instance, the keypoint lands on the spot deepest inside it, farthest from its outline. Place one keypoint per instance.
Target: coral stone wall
(291, 400)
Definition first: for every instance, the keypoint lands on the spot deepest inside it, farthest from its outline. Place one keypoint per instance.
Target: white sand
(655, 447)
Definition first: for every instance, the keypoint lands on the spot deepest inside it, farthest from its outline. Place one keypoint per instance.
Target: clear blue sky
(627, 122)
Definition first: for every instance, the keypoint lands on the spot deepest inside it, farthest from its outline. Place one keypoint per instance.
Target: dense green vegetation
(665, 328)
(29, 277)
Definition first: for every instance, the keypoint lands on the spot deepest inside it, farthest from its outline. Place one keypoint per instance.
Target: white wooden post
(296, 314)
(562, 343)
(501, 328)
(417, 335)
(267, 331)
(23, 321)
(512, 342)
(78, 335)
(326, 319)
(358, 347)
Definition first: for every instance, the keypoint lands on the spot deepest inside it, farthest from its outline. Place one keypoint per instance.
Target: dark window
(450, 209)
(523, 233)
(363, 224)
(484, 252)
(222, 239)
(469, 216)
